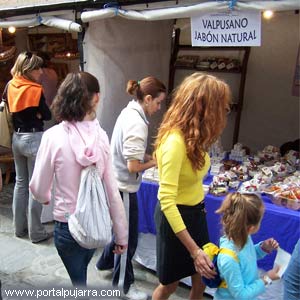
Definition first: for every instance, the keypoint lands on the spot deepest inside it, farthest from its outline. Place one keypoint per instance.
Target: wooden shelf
(207, 70)
(197, 48)
(242, 71)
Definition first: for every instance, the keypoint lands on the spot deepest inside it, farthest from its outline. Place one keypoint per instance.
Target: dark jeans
(106, 260)
(74, 257)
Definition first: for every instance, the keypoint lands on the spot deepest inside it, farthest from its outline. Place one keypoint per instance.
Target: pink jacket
(65, 149)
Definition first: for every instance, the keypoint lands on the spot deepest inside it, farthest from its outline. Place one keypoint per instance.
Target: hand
(203, 265)
(269, 245)
(273, 274)
(119, 249)
(39, 115)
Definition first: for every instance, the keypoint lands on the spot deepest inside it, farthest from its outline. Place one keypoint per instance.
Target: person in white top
(128, 144)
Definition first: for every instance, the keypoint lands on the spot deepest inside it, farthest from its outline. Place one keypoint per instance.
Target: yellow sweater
(178, 182)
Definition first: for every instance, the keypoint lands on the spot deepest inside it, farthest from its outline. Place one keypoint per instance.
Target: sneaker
(103, 269)
(134, 294)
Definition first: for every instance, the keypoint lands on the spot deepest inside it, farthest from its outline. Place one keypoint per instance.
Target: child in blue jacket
(241, 217)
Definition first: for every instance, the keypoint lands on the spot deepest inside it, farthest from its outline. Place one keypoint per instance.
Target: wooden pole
(1, 42)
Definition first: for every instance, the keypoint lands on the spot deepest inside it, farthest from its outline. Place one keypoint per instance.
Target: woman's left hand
(269, 245)
(203, 265)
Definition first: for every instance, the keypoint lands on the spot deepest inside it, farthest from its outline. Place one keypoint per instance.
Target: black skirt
(173, 260)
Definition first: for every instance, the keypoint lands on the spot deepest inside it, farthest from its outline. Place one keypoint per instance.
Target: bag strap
(142, 117)
(4, 102)
(4, 94)
(212, 250)
(80, 134)
(229, 252)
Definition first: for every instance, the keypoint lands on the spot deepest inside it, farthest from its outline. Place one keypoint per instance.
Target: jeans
(291, 283)
(25, 147)
(74, 257)
(106, 260)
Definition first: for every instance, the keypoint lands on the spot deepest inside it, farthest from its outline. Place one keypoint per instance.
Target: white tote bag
(90, 224)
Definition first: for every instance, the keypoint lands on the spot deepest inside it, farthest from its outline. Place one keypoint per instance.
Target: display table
(278, 222)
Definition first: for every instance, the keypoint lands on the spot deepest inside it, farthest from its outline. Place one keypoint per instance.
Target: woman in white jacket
(76, 142)
(129, 144)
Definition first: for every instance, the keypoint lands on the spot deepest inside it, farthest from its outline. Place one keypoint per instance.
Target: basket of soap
(289, 198)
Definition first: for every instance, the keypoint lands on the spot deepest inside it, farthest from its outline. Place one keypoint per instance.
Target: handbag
(6, 127)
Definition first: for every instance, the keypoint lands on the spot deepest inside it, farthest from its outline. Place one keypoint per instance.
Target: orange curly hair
(198, 109)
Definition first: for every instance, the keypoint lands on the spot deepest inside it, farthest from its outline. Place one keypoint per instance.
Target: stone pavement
(24, 265)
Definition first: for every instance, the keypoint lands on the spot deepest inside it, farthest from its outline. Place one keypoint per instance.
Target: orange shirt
(23, 93)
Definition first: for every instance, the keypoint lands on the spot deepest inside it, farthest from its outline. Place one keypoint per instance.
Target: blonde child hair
(239, 213)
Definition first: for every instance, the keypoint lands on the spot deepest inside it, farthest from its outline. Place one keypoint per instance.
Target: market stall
(132, 39)
(135, 42)
(278, 222)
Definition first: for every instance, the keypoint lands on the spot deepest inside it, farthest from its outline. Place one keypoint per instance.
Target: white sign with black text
(233, 28)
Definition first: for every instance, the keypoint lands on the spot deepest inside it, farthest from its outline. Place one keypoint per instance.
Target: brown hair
(147, 86)
(25, 63)
(198, 110)
(74, 97)
(239, 212)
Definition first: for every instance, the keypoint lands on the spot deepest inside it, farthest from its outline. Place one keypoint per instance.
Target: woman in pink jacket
(76, 142)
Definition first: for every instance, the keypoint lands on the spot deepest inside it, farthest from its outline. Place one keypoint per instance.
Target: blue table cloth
(278, 222)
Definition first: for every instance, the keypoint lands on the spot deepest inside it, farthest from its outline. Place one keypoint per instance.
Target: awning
(178, 11)
(51, 21)
(160, 10)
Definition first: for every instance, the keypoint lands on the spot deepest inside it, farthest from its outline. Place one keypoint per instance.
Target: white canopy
(51, 21)
(144, 12)
(178, 11)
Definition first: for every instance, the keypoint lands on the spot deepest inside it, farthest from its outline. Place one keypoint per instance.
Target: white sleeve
(135, 140)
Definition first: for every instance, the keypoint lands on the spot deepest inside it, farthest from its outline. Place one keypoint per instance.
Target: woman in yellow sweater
(194, 121)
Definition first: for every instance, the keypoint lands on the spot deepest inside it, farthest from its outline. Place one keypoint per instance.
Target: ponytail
(239, 212)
